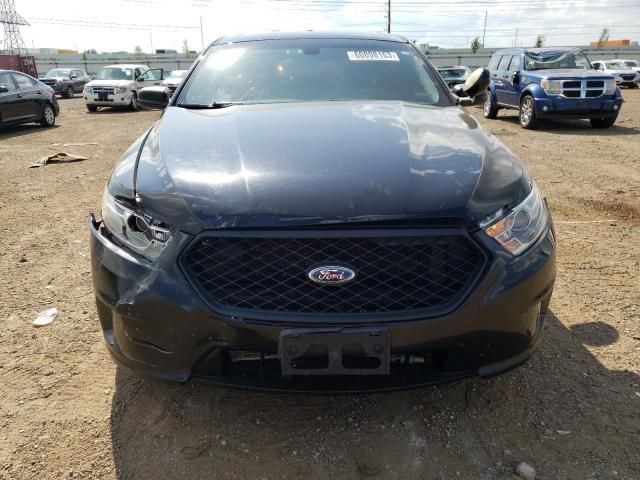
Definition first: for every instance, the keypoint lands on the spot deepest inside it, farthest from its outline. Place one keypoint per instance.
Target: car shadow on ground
(573, 127)
(560, 408)
(11, 131)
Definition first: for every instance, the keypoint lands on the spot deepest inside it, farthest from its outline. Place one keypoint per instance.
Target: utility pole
(515, 42)
(389, 16)
(151, 40)
(201, 34)
(484, 31)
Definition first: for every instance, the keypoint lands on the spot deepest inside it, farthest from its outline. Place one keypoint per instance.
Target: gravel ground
(572, 412)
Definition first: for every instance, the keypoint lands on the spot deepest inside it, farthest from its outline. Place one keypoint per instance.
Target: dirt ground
(572, 412)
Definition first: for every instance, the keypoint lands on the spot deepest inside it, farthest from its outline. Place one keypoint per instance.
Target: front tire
(48, 116)
(489, 109)
(133, 106)
(68, 93)
(603, 122)
(527, 113)
(92, 108)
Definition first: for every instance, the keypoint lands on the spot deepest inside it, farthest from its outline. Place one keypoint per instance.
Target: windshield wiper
(207, 106)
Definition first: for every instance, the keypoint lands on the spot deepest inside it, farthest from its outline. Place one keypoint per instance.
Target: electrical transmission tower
(11, 21)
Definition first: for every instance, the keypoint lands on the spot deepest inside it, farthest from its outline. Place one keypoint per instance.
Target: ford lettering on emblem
(331, 275)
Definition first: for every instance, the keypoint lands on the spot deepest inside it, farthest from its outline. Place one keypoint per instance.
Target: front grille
(408, 271)
(629, 77)
(107, 90)
(582, 88)
(48, 81)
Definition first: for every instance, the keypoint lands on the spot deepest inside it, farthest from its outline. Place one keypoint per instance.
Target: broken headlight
(521, 226)
(139, 232)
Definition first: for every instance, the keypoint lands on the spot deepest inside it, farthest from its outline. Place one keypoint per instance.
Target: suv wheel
(603, 122)
(489, 109)
(92, 108)
(134, 102)
(527, 113)
(69, 92)
(48, 118)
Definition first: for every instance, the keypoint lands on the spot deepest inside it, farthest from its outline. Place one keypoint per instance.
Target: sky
(116, 25)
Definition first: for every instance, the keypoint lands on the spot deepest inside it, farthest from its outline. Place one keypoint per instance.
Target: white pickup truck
(118, 86)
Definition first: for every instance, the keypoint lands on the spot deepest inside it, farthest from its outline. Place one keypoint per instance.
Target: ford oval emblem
(331, 275)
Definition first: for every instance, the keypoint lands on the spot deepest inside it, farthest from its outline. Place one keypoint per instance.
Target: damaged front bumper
(155, 323)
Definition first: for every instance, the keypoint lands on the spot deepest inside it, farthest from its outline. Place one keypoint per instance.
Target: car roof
(256, 37)
(126, 65)
(540, 50)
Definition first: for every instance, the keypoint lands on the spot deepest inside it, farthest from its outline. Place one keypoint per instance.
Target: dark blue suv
(551, 83)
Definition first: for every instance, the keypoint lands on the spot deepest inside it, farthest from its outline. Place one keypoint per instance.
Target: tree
(604, 37)
(137, 50)
(475, 45)
(539, 41)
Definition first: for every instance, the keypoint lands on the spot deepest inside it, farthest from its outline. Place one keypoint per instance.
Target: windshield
(631, 63)
(453, 72)
(616, 66)
(115, 73)
(556, 59)
(305, 70)
(58, 72)
(178, 74)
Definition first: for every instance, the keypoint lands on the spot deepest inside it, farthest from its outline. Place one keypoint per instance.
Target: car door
(151, 77)
(511, 81)
(499, 79)
(28, 97)
(76, 80)
(8, 110)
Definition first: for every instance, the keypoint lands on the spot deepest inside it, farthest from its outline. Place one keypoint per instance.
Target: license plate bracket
(334, 351)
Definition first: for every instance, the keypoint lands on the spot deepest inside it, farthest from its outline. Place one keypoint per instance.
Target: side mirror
(140, 79)
(154, 97)
(3, 89)
(93, 77)
(73, 76)
(515, 78)
(477, 82)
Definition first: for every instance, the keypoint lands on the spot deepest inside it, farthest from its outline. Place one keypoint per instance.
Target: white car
(624, 74)
(174, 79)
(118, 86)
(632, 64)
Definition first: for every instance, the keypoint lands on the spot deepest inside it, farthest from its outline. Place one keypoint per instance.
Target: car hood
(109, 83)
(567, 73)
(57, 79)
(334, 162)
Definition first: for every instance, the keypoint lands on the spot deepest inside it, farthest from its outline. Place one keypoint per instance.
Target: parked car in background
(316, 211)
(118, 85)
(66, 81)
(624, 74)
(174, 78)
(632, 64)
(555, 82)
(454, 75)
(23, 99)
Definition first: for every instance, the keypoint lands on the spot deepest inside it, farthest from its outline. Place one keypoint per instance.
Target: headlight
(521, 226)
(552, 87)
(86, 89)
(120, 89)
(139, 232)
(609, 87)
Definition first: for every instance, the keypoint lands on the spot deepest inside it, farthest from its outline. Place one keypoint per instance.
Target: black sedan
(23, 99)
(315, 212)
